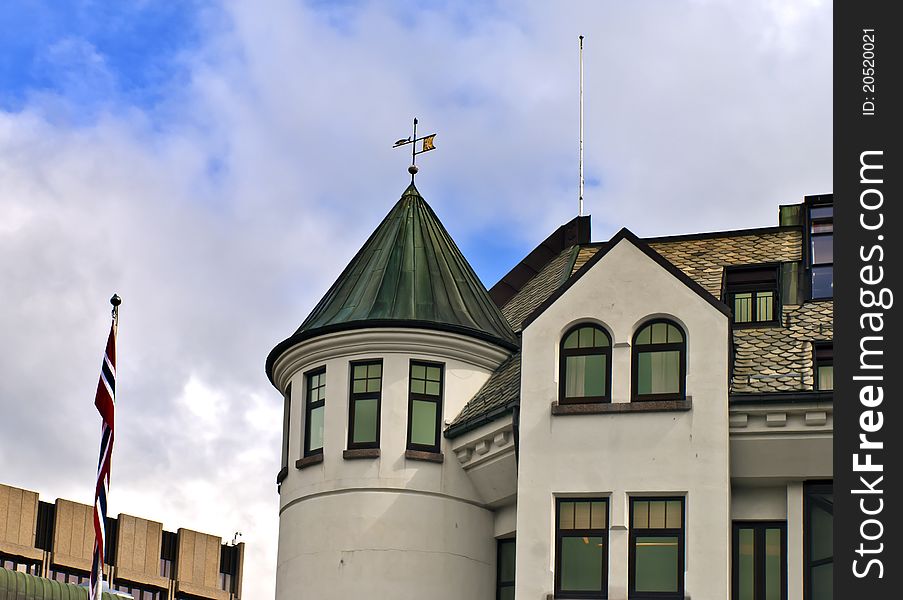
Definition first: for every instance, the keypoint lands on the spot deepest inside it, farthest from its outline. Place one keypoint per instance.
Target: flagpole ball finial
(115, 300)
(413, 169)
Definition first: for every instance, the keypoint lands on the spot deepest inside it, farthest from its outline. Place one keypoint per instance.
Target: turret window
(364, 404)
(314, 402)
(659, 362)
(425, 406)
(585, 365)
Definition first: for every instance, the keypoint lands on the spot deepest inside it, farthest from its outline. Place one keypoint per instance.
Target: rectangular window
(752, 294)
(656, 568)
(364, 404)
(314, 407)
(820, 251)
(286, 424)
(581, 548)
(505, 570)
(759, 565)
(824, 366)
(425, 406)
(818, 541)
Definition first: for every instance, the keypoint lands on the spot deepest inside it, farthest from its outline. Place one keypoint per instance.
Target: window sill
(280, 477)
(360, 453)
(622, 407)
(436, 457)
(303, 463)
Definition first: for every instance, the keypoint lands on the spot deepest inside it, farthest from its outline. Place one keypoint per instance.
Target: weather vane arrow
(426, 146)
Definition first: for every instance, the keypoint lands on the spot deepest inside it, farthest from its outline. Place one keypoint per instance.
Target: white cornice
(438, 344)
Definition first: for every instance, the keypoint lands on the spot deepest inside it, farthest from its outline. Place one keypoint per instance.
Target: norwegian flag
(105, 401)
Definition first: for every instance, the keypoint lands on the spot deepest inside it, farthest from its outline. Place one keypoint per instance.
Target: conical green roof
(409, 273)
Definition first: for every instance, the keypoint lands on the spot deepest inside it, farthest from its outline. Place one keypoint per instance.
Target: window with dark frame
(818, 541)
(753, 295)
(364, 404)
(425, 406)
(314, 408)
(820, 250)
(659, 362)
(656, 552)
(286, 424)
(585, 365)
(759, 564)
(505, 570)
(168, 554)
(581, 548)
(824, 366)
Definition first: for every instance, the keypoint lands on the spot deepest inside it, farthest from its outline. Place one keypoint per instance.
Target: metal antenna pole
(580, 209)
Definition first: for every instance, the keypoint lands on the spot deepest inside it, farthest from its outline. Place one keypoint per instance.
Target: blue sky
(218, 162)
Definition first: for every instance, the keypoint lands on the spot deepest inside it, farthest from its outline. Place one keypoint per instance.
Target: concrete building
(46, 551)
(636, 418)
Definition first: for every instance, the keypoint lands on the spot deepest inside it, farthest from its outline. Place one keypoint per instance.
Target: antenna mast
(580, 209)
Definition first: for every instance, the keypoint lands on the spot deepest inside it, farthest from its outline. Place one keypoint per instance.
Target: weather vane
(426, 147)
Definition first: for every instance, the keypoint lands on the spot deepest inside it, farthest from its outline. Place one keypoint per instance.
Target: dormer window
(820, 250)
(585, 365)
(752, 294)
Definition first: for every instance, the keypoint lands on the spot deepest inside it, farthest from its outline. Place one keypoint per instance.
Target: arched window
(659, 362)
(585, 367)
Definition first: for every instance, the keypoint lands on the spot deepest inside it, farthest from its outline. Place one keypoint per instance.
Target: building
(46, 548)
(636, 418)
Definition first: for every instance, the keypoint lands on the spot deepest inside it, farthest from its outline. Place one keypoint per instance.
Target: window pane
(585, 375)
(600, 340)
(506, 593)
(817, 212)
(773, 562)
(656, 564)
(365, 419)
(423, 422)
(743, 308)
(659, 372)
(599, 516)
(826, 377)
(418, 386)
(360, 371)
(659, 333)
(640, 514)
(506, 562)
(315, 428)
(586, 337)
(566, 515)
(673, 515)
(581, 515)
(418, 371)
(656, 515)
(644, 336)
(581, 563)
(822, 533)
(432, 388)
(674, 334)
(823, 227)
(746, 569)
(373, 385)
(570, 341)
(374, 370)
(822, 249)
(433, 373)
(360, 385)
(822, 282)
(764, 306)
(823, 582)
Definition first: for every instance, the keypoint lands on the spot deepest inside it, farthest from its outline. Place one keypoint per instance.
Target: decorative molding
(768, 417)
(383, 341)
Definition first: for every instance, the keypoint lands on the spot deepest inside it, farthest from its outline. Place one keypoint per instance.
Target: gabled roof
(626, 234)
(409, 273)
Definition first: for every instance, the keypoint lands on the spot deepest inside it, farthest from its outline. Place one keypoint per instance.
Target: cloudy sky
(217, 163)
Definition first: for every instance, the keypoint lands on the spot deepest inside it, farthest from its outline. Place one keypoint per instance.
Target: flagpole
(580, 209)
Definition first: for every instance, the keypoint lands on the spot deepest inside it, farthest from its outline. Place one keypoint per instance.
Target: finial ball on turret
(115, 300)
(413, 169)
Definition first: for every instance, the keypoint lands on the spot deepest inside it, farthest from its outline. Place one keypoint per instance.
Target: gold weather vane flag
(426, 145)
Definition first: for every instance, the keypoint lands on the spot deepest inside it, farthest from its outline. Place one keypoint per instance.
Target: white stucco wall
(386, 527)
(619, 455)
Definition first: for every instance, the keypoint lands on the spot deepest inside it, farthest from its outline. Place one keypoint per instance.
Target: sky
(217, 163)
